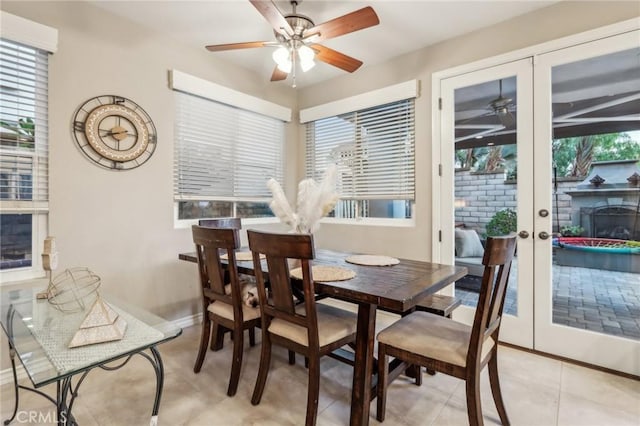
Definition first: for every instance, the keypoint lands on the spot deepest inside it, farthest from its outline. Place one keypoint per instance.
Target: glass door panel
(488, 133)
(589, 97)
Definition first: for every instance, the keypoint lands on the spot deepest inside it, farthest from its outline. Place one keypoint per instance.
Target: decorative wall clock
(114, 132)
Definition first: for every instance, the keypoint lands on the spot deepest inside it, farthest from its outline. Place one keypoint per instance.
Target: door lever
(544, 235)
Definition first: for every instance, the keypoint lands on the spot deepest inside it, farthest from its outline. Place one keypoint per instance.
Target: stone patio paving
(590, 299)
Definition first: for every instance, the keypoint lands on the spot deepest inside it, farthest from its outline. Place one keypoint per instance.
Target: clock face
(114, 132)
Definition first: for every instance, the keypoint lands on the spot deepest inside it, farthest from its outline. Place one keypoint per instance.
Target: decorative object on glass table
(101, 324)
(72, 288)
(315, 200)
(49, 263)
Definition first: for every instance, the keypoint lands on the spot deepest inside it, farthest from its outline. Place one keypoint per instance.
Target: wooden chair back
(282, 252)
(498, 256)
(211, 243)
(223, 222)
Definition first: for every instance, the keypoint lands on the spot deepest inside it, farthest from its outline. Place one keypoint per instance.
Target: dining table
(396, 287)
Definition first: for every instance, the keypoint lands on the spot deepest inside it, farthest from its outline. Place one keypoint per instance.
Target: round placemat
(326, 273)
(241, 256)
(372, 260)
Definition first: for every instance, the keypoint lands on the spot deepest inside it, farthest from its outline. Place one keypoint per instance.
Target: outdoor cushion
(468, 243)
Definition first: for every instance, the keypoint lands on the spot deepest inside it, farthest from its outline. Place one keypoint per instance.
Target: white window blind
(223, 152)
(373, 148)
(23, 127)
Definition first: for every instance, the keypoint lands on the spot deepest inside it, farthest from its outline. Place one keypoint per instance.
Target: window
(374, 151)
(224, 156)
(24, 166)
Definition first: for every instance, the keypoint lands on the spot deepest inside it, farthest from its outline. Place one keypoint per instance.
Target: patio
(590, 299)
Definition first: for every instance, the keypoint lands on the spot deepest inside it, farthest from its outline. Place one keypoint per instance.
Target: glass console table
(39, 335)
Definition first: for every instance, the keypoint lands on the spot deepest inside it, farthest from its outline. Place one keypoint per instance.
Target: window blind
(24, 168)
(223, 152)
(373, 149)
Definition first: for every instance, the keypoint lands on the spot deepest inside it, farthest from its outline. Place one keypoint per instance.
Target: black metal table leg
(12, 355)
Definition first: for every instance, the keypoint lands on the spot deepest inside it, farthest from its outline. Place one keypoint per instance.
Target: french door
(487, 136)
(513, 138)
(587, 299)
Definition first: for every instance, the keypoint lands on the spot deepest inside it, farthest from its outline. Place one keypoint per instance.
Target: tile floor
(538, 391)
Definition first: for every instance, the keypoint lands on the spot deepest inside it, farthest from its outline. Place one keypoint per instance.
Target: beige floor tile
(537, 391)
(528, 367)
(578, 411)
(527, 402)
(616, 392)
(408, 404)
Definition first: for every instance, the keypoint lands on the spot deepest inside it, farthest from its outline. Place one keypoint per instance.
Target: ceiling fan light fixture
(306, 55)
(285, 67)
(307, 65)
(282, 57)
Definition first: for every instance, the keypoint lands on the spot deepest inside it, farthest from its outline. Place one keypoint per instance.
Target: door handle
(523, 234)
(544, 235)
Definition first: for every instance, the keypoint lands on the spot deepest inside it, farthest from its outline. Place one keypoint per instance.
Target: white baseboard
(6, 375)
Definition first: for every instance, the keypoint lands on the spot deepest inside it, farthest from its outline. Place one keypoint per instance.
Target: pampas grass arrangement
(315, 201)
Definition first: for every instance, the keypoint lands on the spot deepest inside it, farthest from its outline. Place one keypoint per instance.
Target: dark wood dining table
(397, 288)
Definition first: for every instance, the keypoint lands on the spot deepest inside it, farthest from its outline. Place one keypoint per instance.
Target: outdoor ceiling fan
(297, 38)
(502, 107)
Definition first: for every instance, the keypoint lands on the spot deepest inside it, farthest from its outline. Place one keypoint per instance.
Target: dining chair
(442, 344)
(218, 331)
(311, 329)
(223, 305)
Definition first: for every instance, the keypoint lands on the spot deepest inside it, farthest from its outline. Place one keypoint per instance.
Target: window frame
(251, 110)
(358, 105)
(44, 39)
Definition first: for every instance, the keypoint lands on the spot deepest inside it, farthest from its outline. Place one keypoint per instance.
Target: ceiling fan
(297, 38)
(502, 107)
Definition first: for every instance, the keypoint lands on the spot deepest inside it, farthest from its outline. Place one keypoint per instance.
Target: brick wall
(479, 195)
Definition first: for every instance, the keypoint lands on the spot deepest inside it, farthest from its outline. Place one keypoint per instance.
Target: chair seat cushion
(225, 310)
(432, 336)
(333, 324)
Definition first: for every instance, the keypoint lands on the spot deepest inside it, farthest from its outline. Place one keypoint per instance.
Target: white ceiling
(404, 26)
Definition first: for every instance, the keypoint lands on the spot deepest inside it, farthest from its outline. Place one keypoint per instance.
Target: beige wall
(120, 224)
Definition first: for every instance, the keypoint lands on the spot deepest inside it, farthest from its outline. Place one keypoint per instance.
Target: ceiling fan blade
(335, 58)
(271, 13)
(278, 75)
(354, 21)
(232, 46)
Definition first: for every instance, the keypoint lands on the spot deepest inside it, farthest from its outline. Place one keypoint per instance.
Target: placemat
(372, 260)
(326, 273)
(241, 256)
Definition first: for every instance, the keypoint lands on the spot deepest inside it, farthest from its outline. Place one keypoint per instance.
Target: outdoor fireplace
(607, 206)
(606, 203)
(617, 222)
